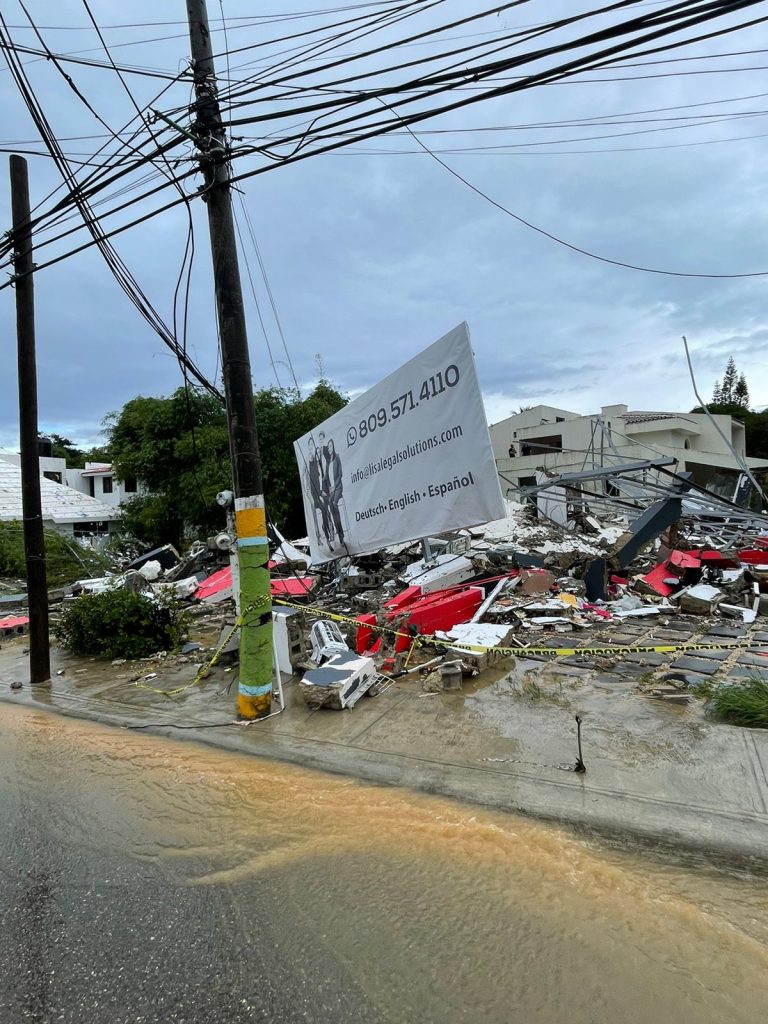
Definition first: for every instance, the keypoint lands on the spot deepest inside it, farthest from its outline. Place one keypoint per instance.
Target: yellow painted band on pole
(251, 522)
(253, 707)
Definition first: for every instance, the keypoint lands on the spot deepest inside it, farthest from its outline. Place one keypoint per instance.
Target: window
(129, 485)
(106, 485)
(537, 445)
(89, 529)
(91, 486)
(50, 475)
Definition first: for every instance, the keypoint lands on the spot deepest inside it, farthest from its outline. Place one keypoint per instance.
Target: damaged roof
(649, 417)
(60, 504)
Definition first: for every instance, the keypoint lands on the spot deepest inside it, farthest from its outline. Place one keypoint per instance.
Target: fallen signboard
(410, 458)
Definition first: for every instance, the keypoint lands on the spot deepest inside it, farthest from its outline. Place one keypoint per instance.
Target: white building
(98, 480)
(65, 509)
(544, 439)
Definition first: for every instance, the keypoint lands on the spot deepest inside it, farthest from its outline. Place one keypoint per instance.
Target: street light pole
(255, 684)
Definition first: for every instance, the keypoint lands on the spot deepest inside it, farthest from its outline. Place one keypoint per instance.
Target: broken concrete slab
(689, 679)
(701, 599)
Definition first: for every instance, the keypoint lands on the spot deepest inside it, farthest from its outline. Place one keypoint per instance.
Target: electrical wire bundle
(348, 83)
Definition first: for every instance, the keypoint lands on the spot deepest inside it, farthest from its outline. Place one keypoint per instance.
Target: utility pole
(34, 539)
(254, 697)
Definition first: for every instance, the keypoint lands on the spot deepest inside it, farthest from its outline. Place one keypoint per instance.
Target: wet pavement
(147, 880)
(657, 772)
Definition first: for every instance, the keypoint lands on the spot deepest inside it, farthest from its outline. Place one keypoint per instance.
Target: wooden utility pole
(255, 683)
(34, 539)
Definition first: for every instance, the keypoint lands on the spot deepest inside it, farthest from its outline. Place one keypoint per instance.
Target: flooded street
(147, 880)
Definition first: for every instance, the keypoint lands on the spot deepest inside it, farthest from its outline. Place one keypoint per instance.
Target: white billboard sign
(410, 458)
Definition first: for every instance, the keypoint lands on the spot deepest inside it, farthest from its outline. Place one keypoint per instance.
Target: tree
(741, 392)
(728, 387)
(282, 417)
(178, 449)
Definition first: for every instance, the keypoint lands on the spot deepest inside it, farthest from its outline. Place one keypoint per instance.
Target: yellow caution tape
(557, 652)
(204, 670)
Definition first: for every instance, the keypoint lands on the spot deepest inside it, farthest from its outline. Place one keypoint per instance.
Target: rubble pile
(451, 606)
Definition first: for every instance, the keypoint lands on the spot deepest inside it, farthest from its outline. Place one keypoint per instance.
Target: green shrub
(120, 624)
(743, 704)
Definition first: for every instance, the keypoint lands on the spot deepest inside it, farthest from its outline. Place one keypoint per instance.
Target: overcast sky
(372, 256)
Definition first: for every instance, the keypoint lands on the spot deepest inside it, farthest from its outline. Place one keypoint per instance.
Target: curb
(668, 829)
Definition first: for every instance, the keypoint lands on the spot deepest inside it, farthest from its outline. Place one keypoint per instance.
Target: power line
(270, 294)
(320, 139)
(114, 262)
(570, 245)
(251, 19)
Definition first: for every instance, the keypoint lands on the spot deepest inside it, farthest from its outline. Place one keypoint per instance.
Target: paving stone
(627, 627)
(752, 659)
(726, 631)
(649, 659)
(760, 636)
(739, 672)
(712, 655)
(624, 639)
(609, 680)
(683, 625)
(672, 635)
(693, 679)
(706, 667)
(732, 642)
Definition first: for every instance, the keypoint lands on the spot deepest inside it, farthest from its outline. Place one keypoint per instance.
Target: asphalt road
(144, 881)
(91, 934)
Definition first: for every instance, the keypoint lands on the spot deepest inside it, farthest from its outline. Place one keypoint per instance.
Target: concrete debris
(340, 681)
(150, 570)
(699, 600)
(451, 675)
(439, 610)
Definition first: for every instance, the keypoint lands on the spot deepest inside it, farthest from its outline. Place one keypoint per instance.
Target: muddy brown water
(440, 911)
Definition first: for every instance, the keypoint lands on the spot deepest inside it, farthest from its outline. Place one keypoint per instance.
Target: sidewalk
(656, 773)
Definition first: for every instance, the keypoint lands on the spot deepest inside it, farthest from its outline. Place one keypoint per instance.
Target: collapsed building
(544, 439)
(561, 562)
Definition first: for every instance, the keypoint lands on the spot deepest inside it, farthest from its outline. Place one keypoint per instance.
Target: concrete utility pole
(34, 539)
(254, 699)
